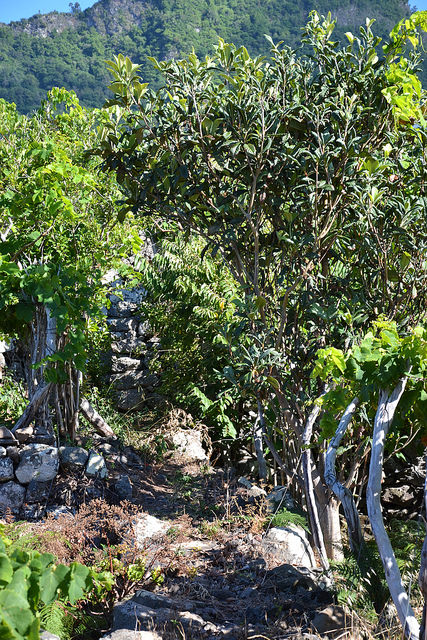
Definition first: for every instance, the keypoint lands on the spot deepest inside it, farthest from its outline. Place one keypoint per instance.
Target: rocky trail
(211, 569)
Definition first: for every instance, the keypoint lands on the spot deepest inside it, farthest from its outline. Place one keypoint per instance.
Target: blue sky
(17, 9)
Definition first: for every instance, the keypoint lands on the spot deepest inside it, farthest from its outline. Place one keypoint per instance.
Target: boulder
(38, 462)
(6, 470)
(46, 635)
(332, 621)
(189, 443)
(124, 364)
(12, 497)
(123, 488)
(147, 527)
(129, 346)
(22, 435)
(96, 466)
(14, 454)
(252, 489)
(280, 496)
(6, 437)
(134, 379)
(131, 634)
(129, 325)
(73, 458)
(129, 400)
(289, 545)
(37, 491)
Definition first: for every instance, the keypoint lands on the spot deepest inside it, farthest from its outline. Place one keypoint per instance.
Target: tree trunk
(309, 489)
(343, 494)
(259, 430)
(386, 408)
(422, 577)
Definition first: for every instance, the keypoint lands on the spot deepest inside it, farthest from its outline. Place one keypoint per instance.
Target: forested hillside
(59, 49)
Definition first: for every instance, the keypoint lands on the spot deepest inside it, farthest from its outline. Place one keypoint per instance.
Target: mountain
(70, 49)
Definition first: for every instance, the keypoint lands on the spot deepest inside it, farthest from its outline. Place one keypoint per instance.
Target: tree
(304, 174)
(384, 374)
(58, 239)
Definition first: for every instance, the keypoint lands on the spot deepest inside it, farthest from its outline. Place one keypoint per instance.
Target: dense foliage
(70, 49)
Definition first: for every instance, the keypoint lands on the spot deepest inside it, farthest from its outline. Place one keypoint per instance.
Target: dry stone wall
(30, 458)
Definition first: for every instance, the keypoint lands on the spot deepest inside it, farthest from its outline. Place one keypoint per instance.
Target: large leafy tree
(57, 217)
(305, 174)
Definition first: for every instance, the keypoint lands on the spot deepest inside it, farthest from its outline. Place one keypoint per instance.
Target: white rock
(189, 443)
(290, 545)
(96, 466)
(38, 462)
(3, 452)
(147, 527)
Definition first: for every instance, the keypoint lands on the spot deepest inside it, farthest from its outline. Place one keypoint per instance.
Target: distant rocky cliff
(70, 49)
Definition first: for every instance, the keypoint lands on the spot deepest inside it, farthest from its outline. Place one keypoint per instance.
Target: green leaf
(6, 570)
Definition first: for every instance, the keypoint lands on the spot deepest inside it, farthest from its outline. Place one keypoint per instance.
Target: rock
(289, 545)
(6, 469)
(131, 615)
(123, 487)
(73, 458)
(3, 452)
(42, 436)
(22, 435)
(46, 635)
(129, 325)
(38, 462)
(129, 400)
(134, 379)
(96, 466)
(37, 491)
(189, 444)
(11, 497)
(133, 296)
(253, 490)
(403, 495)
(287, 578)
(60, 510)
(280, 496)
(147, 527)
(106, 448)
(144, 330)
(129, 346)
(127, 634)
(333, 619)
(125, 364)
(153, 600)
(7, 437)
(14, 454)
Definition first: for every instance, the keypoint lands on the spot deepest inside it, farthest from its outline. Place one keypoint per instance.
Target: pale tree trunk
(387, 405)
(309, 489)
(342, 493)
(422, 577)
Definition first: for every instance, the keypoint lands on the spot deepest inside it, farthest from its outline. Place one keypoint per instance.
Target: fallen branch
(95, 419)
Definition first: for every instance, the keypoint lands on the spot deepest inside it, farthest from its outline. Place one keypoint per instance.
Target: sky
(17, 9)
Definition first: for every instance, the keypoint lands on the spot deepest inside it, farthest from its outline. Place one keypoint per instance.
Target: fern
(57, 618)
(284, 518)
